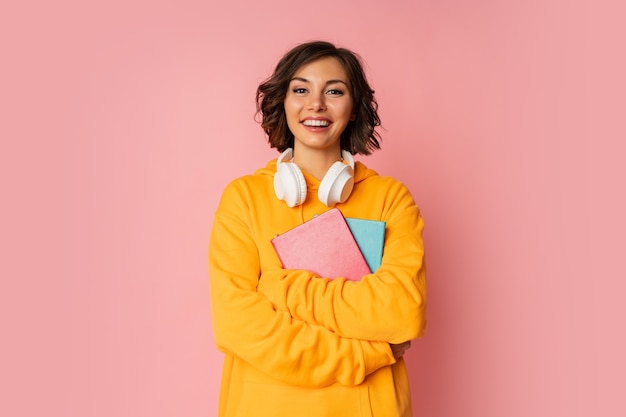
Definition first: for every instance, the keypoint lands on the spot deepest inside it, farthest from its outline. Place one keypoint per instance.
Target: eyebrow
(327, 82)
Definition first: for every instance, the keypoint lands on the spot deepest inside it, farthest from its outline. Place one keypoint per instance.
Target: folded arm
(388, 305)
(246, 324)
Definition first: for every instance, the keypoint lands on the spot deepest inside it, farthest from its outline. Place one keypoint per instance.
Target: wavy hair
(359, 137)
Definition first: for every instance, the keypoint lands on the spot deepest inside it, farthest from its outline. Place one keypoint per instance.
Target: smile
(316, 123)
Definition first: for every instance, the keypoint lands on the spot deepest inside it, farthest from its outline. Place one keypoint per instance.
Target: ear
(353, 117)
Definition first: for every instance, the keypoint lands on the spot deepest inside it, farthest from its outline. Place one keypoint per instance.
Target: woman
(297, 344)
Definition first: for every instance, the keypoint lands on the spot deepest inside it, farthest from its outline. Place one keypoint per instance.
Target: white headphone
(335, 187)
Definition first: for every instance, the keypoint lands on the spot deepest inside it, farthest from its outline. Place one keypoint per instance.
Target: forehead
(326, 68)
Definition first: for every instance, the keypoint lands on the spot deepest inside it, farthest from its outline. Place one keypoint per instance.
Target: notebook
(323, 245)
(370, 236)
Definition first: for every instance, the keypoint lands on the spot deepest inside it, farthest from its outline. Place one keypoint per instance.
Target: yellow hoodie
(299, 345)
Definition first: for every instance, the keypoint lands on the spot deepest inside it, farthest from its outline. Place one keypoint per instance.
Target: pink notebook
(323, 245)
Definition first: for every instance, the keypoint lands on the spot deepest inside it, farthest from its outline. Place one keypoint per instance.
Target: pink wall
(124, 121)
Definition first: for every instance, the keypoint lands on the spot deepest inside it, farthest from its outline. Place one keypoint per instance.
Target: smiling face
(318, 105)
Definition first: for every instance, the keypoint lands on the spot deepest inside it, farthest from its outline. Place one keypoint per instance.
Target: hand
(399, 349)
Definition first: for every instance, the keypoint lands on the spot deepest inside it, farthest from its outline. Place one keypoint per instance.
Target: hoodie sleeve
(388, 305)
(246, 325)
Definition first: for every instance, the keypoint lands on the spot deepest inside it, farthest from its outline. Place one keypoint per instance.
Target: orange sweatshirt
(297, 344)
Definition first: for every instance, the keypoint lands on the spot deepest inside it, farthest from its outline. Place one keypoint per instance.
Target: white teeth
(316, 123)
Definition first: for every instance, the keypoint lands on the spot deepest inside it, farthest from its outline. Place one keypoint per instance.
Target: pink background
(122, 121)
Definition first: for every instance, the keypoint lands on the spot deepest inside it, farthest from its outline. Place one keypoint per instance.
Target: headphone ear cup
(289, 184)
(336, 185)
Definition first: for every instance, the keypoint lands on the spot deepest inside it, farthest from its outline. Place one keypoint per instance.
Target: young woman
(298, 344)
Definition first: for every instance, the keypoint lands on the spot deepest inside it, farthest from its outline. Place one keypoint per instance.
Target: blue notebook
(370, 236)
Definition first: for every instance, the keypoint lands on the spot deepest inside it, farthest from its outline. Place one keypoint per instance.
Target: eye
(335, 92)
(298, 90)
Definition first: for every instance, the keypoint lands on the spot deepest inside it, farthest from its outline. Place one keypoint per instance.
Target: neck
(316, 162)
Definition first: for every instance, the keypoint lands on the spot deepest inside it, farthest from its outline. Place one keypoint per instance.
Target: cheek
(291, 108)
(348, 108)
(347, 111)
(291, 116)
(290, 113)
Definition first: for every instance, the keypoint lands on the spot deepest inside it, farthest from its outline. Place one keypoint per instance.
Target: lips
(316, 122)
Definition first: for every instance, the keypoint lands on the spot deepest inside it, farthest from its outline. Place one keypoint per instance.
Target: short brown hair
(359, 137)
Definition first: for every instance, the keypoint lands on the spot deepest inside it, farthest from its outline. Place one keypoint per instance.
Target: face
(318, 105)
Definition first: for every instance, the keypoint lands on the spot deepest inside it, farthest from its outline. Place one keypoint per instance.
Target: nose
(317, 102)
